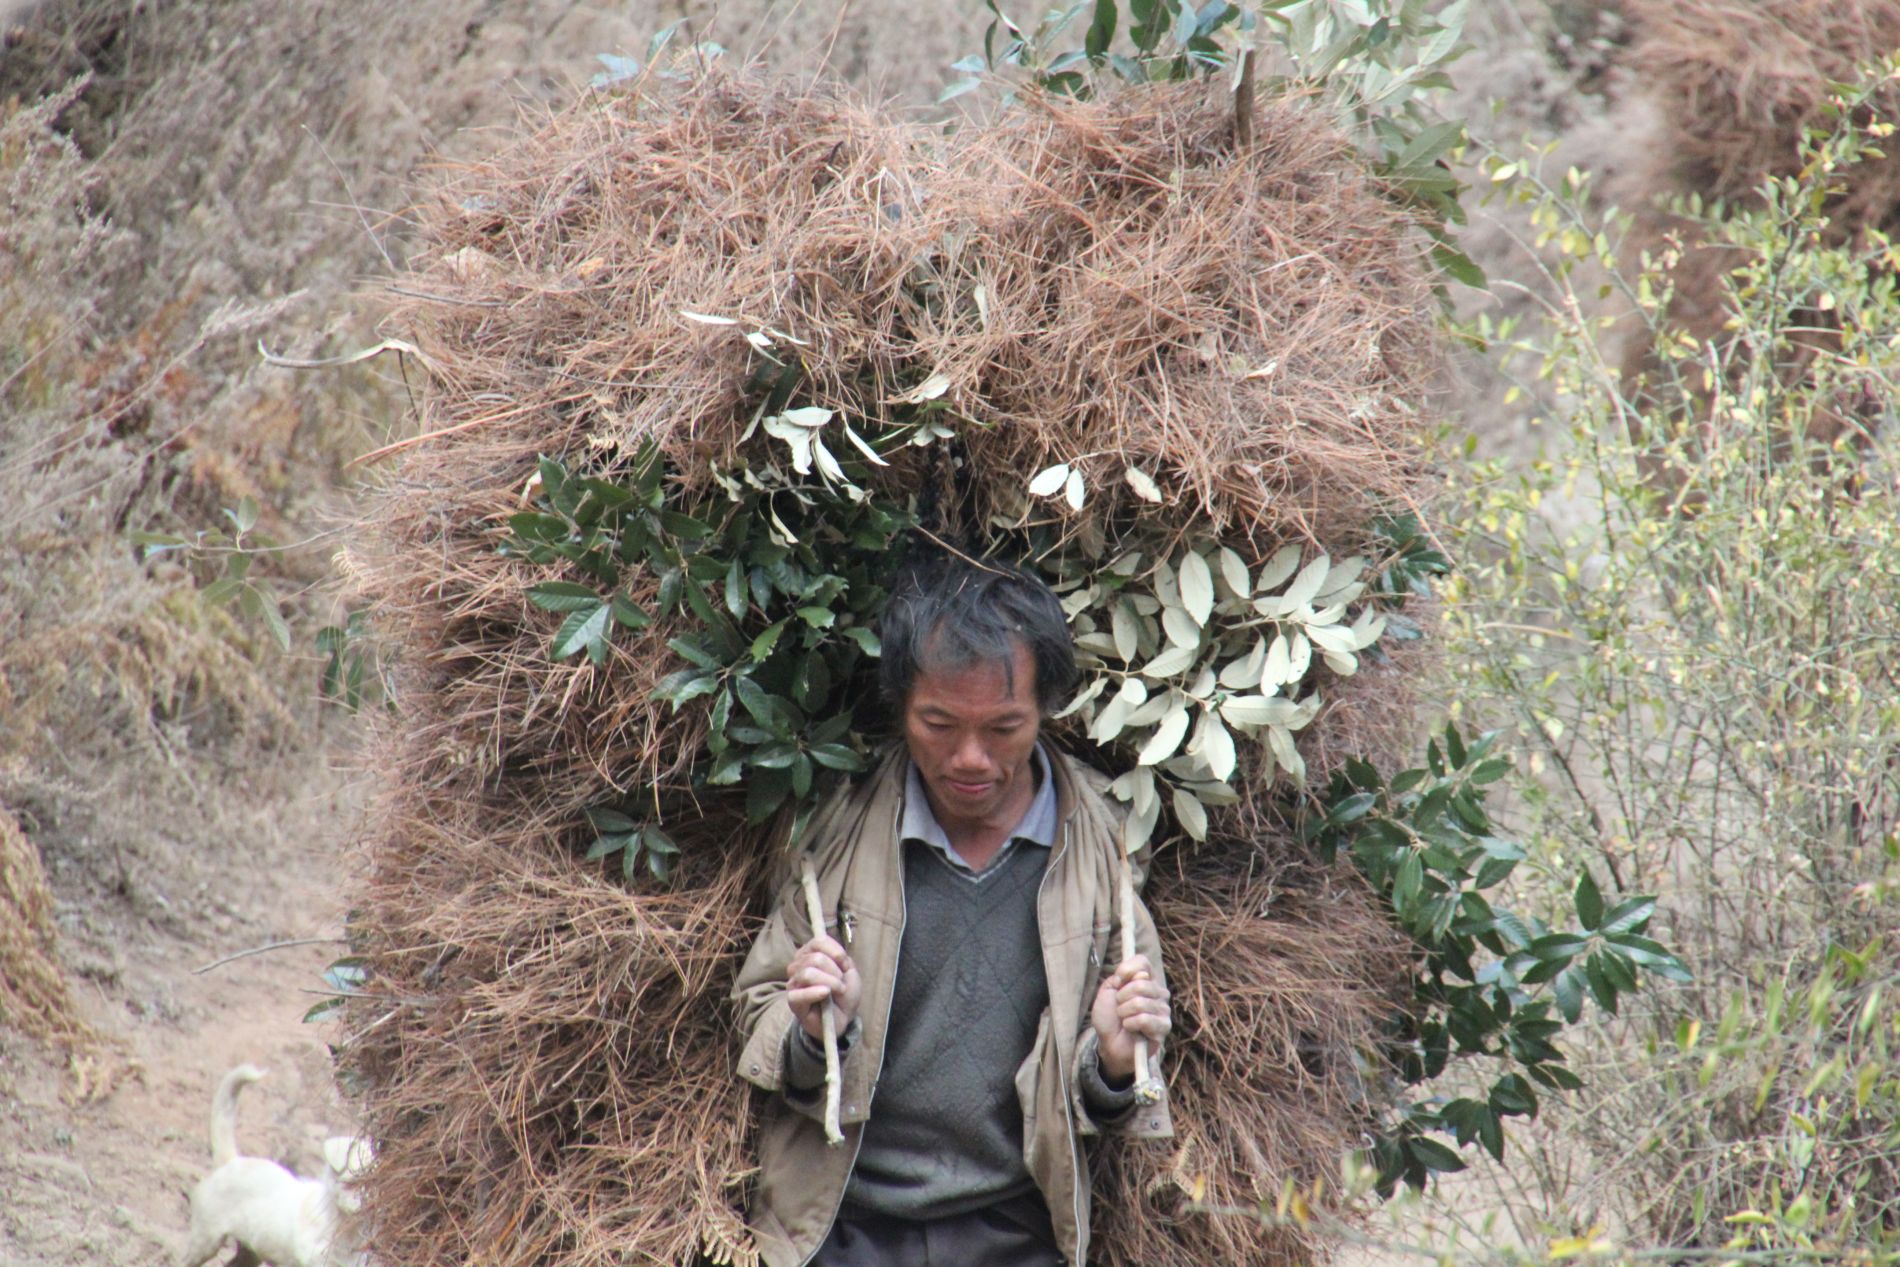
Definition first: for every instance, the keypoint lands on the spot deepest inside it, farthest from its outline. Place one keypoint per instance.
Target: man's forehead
(974, 680)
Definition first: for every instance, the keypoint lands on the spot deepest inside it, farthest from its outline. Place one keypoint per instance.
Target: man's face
(971, 731)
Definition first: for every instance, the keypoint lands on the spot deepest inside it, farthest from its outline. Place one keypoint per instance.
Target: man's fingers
(1154, 1028)
(1142, 990)
(826, 945)
(807, 996)
(1133, 967)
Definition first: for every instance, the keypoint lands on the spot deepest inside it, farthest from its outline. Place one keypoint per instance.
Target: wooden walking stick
(834, 1078)
(1149, 1089)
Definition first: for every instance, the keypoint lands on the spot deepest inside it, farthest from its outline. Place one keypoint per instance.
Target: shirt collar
(1038, 825)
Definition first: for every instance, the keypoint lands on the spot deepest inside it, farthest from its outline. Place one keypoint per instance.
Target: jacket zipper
(1062, 1072)
(890, 997)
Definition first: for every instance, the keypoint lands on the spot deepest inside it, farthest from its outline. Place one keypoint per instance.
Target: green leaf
(1458, 266)
(582, 630)
(1433, 1155)
(322, 1008)
(604, 820)
(1629, 915)
(736, 590)
(608, 844)
(775, 756)
(835, 756)
(1568, 988)
(690, 650)
(1589, 902)
(767, 710)
(244, 517)
(563, 596)
(1411, 878)
(1557, 947)
(1454, 746)
(765, 792)
(628, 613)
(1650, 955)
(1490, 771)
(678, 687)
(273, 615)
(866, 639)
(1197, 587)
(818, 617)
(763, 644)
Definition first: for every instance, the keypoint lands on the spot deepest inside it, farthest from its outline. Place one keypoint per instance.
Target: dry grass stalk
(546, 1054)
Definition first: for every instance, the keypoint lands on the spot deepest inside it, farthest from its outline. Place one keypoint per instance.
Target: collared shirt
(1038, 825)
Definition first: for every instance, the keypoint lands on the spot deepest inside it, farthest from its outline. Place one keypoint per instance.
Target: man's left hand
(1130, 1005)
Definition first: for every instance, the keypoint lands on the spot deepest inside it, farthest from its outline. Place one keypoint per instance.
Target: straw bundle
(1739, 80)
(34, 998)
(546, 1052)
(1739, 83)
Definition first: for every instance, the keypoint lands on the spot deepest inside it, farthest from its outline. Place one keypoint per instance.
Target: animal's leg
(200, 1247)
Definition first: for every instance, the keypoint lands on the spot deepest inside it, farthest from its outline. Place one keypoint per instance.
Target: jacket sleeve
(776, 1055)
(1098, 1106)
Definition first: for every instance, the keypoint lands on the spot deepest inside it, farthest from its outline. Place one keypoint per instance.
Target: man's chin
(967, 801)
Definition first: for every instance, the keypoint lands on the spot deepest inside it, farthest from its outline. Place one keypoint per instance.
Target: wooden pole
(1243, 105)
(1149, 1089)
(834, 1078)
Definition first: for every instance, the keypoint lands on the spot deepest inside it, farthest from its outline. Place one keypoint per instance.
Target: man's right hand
(822, 970)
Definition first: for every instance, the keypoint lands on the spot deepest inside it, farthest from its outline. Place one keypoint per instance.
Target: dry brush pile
(687, 293)
(1741, 83)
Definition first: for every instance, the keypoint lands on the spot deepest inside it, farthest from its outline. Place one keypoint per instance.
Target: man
(972, 884)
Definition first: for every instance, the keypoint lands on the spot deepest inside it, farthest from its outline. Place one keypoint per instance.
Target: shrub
(1687, 610)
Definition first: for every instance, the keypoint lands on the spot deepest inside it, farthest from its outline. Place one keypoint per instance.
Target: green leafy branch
(1490, 983)
(774, 582)
(220, 563)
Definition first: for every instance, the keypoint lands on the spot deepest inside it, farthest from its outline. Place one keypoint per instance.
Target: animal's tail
(224, 1112)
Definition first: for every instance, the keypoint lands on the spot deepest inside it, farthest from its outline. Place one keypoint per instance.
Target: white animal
(267, 1210)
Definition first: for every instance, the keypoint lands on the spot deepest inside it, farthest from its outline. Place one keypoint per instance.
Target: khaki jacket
(854, 846)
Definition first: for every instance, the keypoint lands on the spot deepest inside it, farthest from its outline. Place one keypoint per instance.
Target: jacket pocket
(1028, 1077)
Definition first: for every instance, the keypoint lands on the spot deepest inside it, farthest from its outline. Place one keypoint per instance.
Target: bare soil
(98, 1152)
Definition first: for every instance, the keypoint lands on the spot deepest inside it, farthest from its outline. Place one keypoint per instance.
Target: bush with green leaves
(1685, 606)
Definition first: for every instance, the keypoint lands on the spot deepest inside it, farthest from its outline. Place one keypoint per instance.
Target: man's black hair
(947, 613)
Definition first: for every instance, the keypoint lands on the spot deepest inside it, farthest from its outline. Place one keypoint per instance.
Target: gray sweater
(945, 1132)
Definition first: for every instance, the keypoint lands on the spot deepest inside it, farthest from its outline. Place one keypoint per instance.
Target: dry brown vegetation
(1739, 83)
(545, 1055)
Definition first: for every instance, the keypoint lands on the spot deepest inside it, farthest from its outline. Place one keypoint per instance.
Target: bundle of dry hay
(1739, 83)
(545, 1053)
(34, 998)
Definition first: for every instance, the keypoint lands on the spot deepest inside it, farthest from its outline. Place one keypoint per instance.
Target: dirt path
(95, 1160)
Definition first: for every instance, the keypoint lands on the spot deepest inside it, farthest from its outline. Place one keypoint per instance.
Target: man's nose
(970, 754)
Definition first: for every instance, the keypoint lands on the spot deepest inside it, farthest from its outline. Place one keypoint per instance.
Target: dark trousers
(1012, 1233)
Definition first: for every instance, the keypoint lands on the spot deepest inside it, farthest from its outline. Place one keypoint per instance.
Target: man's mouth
(961, 788)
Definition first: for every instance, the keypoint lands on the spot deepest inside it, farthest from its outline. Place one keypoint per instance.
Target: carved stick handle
(834, 1078)
(1148, 1087)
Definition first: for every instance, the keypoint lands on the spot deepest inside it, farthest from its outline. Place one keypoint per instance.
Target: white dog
(276, 1216)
